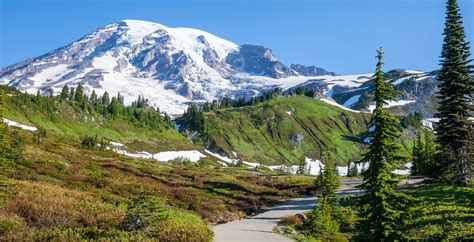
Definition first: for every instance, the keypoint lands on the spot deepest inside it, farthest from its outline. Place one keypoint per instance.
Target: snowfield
(351, 101)
(18, 125)
(392, 104)
(191, 155)
(185, 155)
(171, 67)
(338, 105)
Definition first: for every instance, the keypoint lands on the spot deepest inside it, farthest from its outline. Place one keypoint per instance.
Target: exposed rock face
(170, 66)
(174, 67)
(311, 70)
(258, 60)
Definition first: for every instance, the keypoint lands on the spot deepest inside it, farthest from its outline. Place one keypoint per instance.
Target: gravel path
(260, 227)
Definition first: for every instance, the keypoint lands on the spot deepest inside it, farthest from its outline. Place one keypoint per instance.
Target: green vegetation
(321, 222)
(423, 154)
(3, 150)
(412, 120)
(440, 213)
(283, 130)
(72, 121)
(383, 209)
(151, 216)
(54, 188)
(455, 132)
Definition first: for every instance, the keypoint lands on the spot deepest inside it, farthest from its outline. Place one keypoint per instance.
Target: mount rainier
(174, 67)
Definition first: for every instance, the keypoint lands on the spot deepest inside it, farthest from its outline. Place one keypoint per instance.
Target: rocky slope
(170, 66)
(174, 67)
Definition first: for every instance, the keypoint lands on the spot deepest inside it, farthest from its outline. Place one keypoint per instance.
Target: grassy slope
(60, 191)
(443, 213)
(262, 133)
(71, 124)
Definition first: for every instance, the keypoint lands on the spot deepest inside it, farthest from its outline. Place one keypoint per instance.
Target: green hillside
(70, 121)
(285, 129)
(54, 188)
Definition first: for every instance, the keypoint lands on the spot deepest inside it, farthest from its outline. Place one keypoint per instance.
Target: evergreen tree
(321, 222)
(38, 135)
(93, 97)
(120, 99)
(417, 155)
(38, 96)
(424, 150)
(382, 207)
(301, 167)
(17, 147)
(430, 151)
(328, 181)
(352, 170)
(90, 142)
(64, 92)
(79, 96)
(193, 119)
(114, 107)
(105, 98)
(72, 94)
(454, 131)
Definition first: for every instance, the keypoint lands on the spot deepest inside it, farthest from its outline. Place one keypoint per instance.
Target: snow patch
(351, 101)
(192, 155)
(116, 144)
(428, 122)
(338, 105)
(405, 171)
(222, 158)
(392, 104)
(18, 125)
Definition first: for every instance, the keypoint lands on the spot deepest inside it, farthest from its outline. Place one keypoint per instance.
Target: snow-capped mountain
(172, 67)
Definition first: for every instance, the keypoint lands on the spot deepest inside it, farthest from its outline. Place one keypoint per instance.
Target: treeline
(228, 102)
(139, 113)
(193, 118)
(412, 120)
(11, 149)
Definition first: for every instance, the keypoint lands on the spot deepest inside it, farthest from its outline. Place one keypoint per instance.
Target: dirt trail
(260, 227)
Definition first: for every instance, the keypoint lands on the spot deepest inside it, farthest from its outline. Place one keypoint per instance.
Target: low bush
(293, 220)
(45, 206)
(156, 220)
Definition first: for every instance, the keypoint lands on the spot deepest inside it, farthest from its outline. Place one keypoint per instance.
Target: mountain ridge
(174, 67)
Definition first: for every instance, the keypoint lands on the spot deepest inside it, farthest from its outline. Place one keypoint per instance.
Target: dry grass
(50, 206)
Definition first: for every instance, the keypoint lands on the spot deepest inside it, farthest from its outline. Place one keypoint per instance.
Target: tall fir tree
(17, 147)
(64, 92)
(302, 167)
(382, 207)
(423, 154)
(79, 96)
(321, 221)
(72, 94)
(93, 97)
(454, 131)
(105, 98)
(328, 181)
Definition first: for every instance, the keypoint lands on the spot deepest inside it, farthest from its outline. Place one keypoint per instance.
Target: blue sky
(339, 35)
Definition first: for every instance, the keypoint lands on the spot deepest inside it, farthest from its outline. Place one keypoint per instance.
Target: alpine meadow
(139, 131)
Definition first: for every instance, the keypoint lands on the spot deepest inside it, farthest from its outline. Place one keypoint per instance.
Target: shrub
(49, 206)
(156, 220)
(291, 220)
